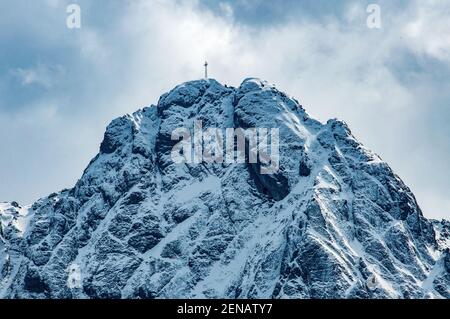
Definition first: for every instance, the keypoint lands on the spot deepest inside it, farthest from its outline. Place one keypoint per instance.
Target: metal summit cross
(206, 70)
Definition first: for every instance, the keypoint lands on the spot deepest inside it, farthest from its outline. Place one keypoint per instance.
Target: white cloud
(91, 46)
(41, 74)
(428, 30)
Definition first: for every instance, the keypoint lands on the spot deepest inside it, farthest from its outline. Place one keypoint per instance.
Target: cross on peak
(206, 70)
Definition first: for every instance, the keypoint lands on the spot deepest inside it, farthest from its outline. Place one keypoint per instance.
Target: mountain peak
(328, 222)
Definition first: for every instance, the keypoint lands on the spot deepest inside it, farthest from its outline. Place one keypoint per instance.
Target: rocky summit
(333, 222)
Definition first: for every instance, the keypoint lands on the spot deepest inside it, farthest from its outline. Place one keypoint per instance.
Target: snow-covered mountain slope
(334, 222)
(14, 221)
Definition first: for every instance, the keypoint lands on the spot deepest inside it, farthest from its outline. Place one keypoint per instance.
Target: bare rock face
(333, 222)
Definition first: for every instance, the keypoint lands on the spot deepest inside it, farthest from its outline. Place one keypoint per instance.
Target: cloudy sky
(60, 87)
